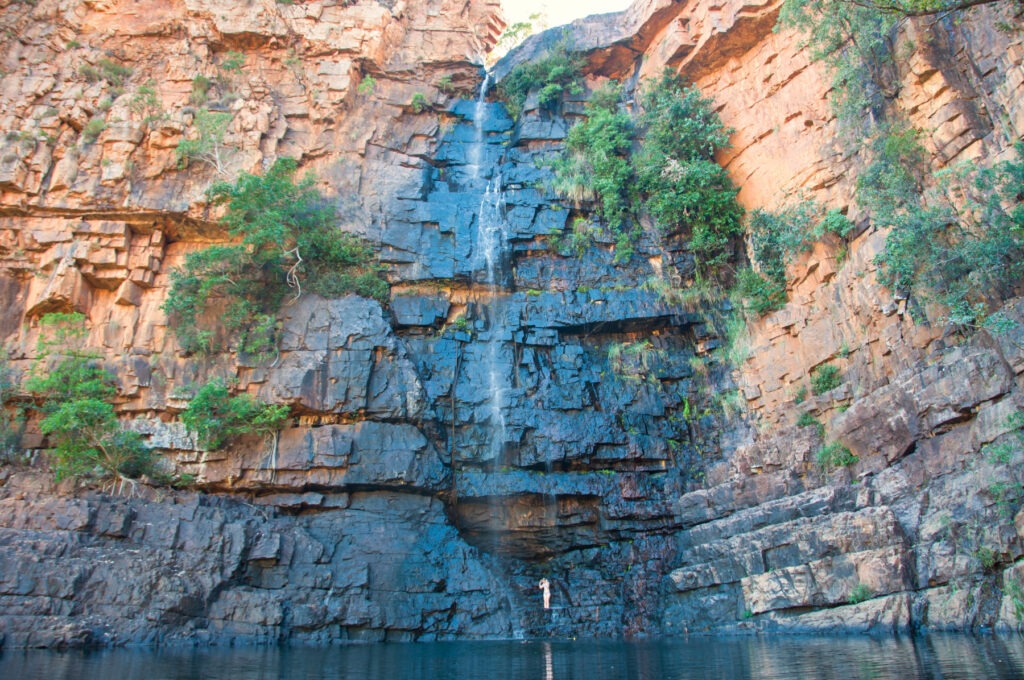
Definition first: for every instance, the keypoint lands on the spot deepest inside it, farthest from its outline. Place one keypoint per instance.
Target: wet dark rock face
(518, 412)
(566, 462)
(178, 567)
(446, 453)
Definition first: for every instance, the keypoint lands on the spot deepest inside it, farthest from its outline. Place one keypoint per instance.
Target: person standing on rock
(545, 586)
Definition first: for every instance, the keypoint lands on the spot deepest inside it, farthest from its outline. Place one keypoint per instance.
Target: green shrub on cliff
(207, 145)
(960, 242)
(824, 378)
(74, 394)
(672, 175)
(290, 244)
(955, 237)
(683, 188)
(833, 456)
(12, 418)
(558, 73)
(215, 416)
(775, 240)
(596, 164)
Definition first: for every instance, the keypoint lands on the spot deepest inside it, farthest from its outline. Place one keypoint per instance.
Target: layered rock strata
(564, 416)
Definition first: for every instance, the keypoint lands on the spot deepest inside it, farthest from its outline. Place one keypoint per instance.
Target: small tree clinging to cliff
(207, 146)
(684, 188)
(75, 394)
(289, 244)
(216, 416)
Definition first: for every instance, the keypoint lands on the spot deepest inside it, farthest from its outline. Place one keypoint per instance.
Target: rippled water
(846, 658)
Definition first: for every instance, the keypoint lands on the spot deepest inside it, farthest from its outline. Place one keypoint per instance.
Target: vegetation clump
(74, 393)
(596, 166)
(833, 456)
(955, 237)
(860, 593)
(824, 378)
(207, 145)
(12, 417)
(289, 244)
(556, 74)
(682, 185)
(959, 243)
(216, 417)
(634, 362)
(662, 164)
(775, 239)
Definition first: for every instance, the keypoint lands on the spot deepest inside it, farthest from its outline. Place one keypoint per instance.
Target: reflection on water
(939, 656)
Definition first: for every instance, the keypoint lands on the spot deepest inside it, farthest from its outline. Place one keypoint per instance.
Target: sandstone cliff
(446, 452)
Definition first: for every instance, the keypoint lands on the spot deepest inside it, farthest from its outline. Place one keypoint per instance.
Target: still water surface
(846, 658)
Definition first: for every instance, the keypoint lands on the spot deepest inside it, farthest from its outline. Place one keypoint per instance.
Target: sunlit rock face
(521, 409)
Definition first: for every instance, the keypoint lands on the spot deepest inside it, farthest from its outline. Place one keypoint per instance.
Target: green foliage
(105, 69)
(419, 103)
(145, 103)
(233, 62)
(556, 74)
(673, 176)
(366, 85)
(1015, 592)
(74, 392)
(807, 420)
(518, 32)
(834, 222)
(596, 163)
(833, 456)
(856, 41)
(581, 236)
(207, 145)
(1007, 497)
(92, 130)
(775, 239)
(800, 396)
(289, 242)
(758, 293)
(988, 557)
(217, 417)
(824, 378)
(634, 361)
(860, 593)
(682, 186)
(12, 417)
(737, 340)
(961, 243)
(200, 93)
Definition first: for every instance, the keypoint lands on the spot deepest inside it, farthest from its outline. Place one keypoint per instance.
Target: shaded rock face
(177, 567)
(518, 411)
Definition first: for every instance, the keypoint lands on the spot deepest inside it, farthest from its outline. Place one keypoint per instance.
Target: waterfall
(489, 253)
(488, 259)
(479, 113)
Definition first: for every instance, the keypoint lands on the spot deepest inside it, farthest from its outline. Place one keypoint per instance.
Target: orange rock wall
(962, 84)
(94, 223)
